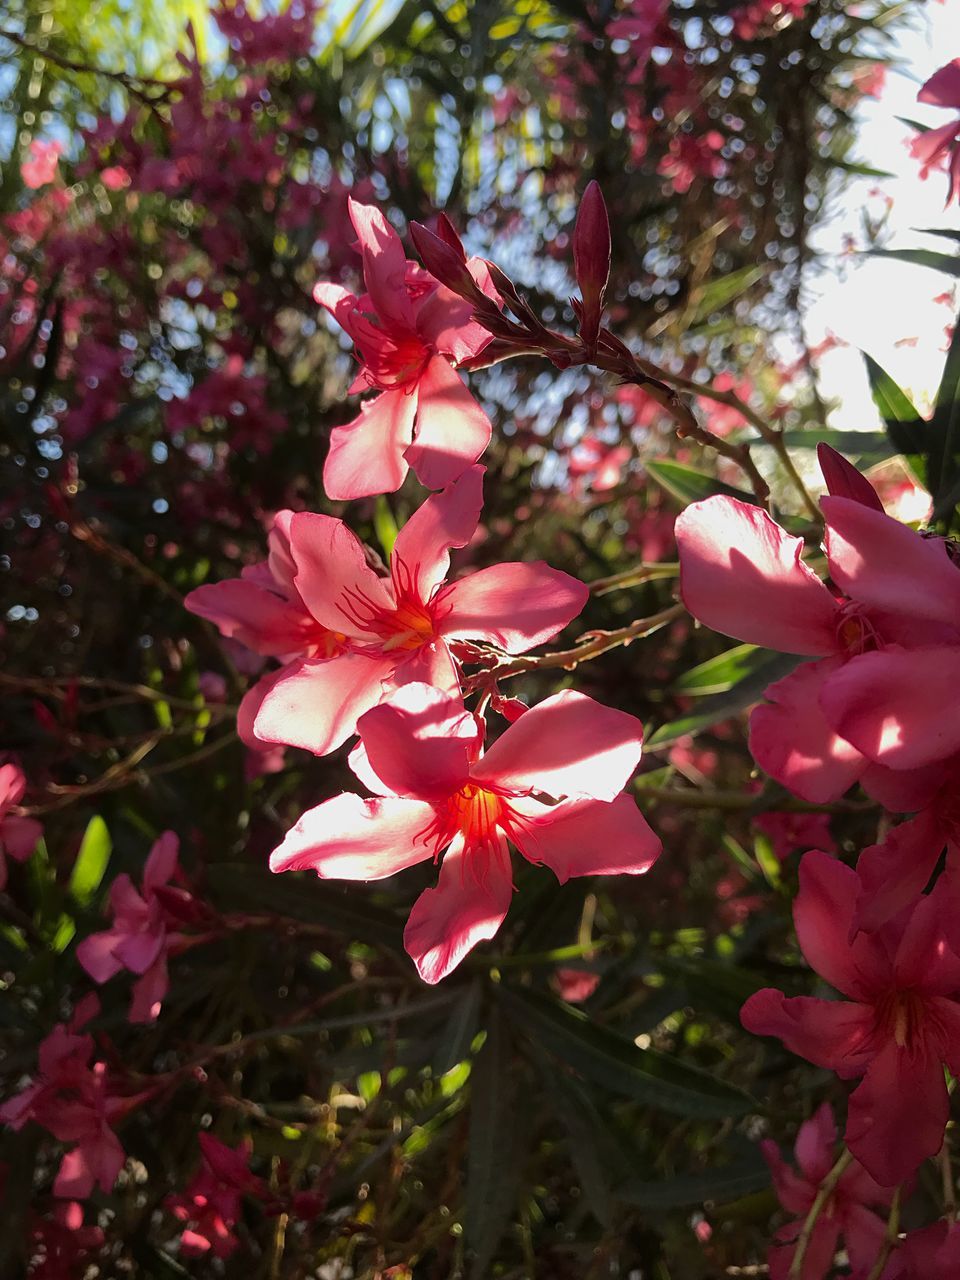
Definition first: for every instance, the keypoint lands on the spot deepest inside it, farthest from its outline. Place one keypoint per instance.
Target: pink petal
(587, 837)
(138, 952)
(452, 429)
(337, 584)
(96, 955)
(835, 1034)
(740, 574)
(280, 562)
(421, 553)
(815, 1143)
(419, 742)
(929, 146)
(884, 563)
(943, 87)
(19, 836)
(897, 1116)
(348, 838)
(256, 618)
(445, 323)
(863, 1234)
(843, 480)
(149, 992)
(924, 962)
(893, 874)
(162, 861)
(567, 745)
(75, 1179)
(384, 265)
(316, 705)
(823, 914)
(431, 664)
(794, 1192)
(367, 455)
(13, 783)
(894, 704)
(448, 921)
(908, 790)
(514, 606)
(791, 739)
(250, 705)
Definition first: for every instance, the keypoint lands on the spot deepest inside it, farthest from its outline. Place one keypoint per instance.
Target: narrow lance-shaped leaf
(605, 1058)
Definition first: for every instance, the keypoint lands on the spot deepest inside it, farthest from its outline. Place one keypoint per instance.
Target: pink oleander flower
(897, 1028)
(407, 332)
(397, 630)
(420, 754)
(18, 835)
(936, 148)
(575, 985)
(75, 1102)
(141, 937)
(211, 1205)
(847, 1214)
(888, 646)
(41, 168)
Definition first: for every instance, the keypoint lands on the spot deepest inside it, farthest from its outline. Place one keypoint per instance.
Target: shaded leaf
(602, 1056)
(729, 1182)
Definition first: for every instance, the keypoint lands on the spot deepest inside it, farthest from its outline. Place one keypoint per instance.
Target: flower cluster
(382, 654)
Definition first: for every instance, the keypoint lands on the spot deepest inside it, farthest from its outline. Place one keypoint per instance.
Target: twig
(124, 78)
(592, 645)
(827, 1188)
(889, 1239)
(634, 577)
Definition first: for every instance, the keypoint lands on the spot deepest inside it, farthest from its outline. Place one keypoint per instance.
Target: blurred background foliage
(167, 384)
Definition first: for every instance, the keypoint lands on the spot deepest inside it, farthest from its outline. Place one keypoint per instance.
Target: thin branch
(827, 1188)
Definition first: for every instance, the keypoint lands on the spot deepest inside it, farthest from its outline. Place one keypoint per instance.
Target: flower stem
(827, 1187)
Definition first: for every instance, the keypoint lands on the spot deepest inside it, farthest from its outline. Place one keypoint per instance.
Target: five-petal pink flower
(141, 936)
(550, 785)
(397, 630)
(897, 1028)
(407, 331)
(888, 648)
(848, 1213)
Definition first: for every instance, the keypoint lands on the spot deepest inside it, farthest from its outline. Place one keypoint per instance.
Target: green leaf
(721, 706)
(943, 461)
(591, 1144)
(908, 432)
(871, 445)
(718, 293)
(492, 1166)
(687, 484)
(304, 897)
(946, 232)
(91, 863)
(461, 1028)
(608, 1059)
(721, 673)
(729, 1182)
(946, 262)
(385, 526)
(712, 985)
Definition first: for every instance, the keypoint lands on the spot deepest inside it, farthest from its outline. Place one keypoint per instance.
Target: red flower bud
(446, 264)
(591, 260)
(844, 480)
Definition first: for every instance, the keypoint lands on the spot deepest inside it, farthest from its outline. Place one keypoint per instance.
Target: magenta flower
(141, 936)
(847, 1214)
(897, 1028)
(932, 1253)
(936, 146)
(18, 835)
(75, 1102)
(420, 754)
(212, 1204)
(41, 167)
(396, 630)
(822, 725)
(407, 332)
